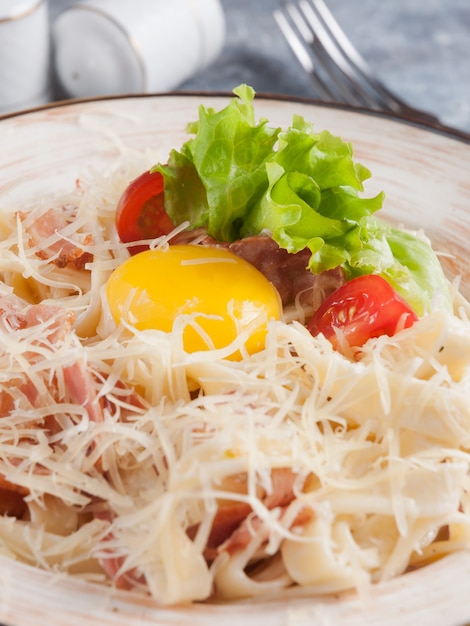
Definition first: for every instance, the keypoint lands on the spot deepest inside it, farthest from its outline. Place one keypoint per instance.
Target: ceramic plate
(424, 173)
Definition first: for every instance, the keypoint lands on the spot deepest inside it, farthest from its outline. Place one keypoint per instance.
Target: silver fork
(337, 71)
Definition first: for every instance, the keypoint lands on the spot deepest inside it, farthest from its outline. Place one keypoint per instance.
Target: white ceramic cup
(117, 46)
(25, 59)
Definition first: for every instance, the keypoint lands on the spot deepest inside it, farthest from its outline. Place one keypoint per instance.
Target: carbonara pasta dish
(268, 394)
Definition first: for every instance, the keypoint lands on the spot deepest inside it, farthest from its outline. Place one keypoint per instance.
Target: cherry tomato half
(364, 307)
(140, 213)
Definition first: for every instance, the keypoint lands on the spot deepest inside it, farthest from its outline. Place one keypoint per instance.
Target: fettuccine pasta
(192, 477)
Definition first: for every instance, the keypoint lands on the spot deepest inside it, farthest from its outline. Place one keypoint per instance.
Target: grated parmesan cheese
(125, 453)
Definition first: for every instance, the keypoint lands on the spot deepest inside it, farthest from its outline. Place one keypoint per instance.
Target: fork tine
(336, 69)
(297, 35)
(318, 55)
(329, 60)
(347, 58)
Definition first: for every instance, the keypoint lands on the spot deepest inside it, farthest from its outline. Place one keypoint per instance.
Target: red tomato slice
(140, 213)
(364, 307)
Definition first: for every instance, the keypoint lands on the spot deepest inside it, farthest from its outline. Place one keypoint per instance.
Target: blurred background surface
(419, 48)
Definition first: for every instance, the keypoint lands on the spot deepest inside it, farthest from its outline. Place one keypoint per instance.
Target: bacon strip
(82, 390)
(63, 251)
(15, 316)
(112, 565)
(231, 516)
(252, 526)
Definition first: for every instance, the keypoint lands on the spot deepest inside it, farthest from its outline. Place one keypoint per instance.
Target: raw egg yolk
(220, 295)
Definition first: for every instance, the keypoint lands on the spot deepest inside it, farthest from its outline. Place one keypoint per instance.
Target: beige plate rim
(394, 148)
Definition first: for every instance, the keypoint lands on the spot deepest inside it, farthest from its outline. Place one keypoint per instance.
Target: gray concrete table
(420, 48)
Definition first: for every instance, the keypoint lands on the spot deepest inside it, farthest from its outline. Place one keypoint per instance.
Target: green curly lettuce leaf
(238, 177)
